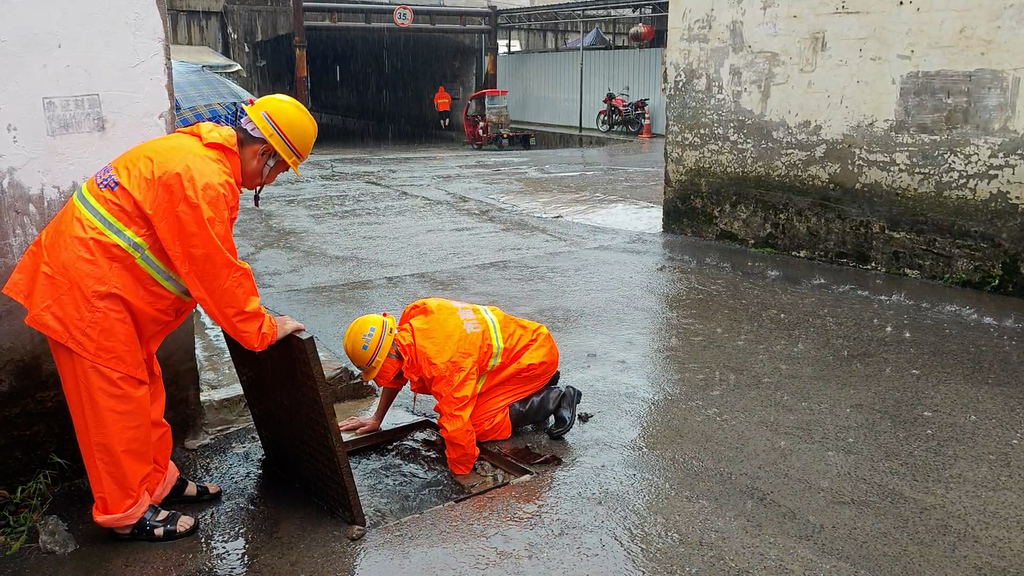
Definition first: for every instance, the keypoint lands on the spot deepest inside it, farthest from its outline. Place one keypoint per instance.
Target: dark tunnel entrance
(379, 85)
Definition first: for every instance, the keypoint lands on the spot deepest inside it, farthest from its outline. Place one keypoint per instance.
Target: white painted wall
(115, 49)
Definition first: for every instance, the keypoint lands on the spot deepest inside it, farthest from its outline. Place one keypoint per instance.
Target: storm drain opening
(402, 470)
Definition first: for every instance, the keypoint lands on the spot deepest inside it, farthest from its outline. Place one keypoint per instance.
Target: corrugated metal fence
(544, 87)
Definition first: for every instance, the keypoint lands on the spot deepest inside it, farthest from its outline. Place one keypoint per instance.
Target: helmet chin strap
(267, 167)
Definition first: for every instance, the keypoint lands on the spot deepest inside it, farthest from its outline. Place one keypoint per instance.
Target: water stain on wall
(736, 41)
(811, 48)
(24, 213)
(938, 101)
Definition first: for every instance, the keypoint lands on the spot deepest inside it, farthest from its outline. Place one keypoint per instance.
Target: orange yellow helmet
(367, 342)
(286, 125)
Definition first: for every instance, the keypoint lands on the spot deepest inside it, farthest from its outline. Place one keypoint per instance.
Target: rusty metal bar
(419, 28)
(389, 8)
(503, 461)
(633, 7)
(387, 436)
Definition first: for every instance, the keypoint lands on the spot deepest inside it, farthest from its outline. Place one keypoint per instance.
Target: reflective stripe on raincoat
(127, 258)
(475, 361)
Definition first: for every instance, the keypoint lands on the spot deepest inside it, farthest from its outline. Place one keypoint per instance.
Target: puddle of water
(593, 209)
(632, 217)
(230, 556)
(408, 476)
(404, 478)
(217, 377)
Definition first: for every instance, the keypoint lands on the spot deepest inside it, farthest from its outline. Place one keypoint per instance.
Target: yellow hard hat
(286, 125)
(367, 342)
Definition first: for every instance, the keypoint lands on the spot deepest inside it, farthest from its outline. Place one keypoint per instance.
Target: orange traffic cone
(647, 124)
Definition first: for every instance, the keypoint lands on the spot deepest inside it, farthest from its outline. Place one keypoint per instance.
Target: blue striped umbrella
(204, 96)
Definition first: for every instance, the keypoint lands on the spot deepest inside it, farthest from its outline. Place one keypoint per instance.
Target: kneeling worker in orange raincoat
(121, 265)
(489, 372)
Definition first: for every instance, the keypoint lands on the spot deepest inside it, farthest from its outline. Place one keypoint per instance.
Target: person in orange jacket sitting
(121, 265)
(490, 372)
(443, 105)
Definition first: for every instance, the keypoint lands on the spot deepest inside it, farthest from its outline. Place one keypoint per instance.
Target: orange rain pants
(120, 266)
(475, 361)
(125, 477)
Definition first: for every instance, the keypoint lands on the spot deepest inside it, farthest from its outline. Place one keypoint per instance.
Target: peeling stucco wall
(885, 134)
(84, 82)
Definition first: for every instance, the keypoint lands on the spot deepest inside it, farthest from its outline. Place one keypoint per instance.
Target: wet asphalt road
(752, 413)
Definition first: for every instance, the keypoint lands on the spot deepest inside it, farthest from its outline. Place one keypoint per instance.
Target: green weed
(22, 510)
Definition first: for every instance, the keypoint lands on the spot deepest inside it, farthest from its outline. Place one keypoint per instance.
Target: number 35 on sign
(403, 16)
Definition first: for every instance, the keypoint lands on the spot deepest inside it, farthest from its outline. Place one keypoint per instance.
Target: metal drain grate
(291, 407)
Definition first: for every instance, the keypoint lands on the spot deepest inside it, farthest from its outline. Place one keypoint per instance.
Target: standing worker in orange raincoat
(489, 372)
(443, 105)
(122, 264)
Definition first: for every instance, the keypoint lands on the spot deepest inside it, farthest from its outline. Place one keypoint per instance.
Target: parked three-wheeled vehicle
(487, 122)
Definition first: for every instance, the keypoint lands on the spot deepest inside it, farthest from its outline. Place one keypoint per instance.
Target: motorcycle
(620, 112)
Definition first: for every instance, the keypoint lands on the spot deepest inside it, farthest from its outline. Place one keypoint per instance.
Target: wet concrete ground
(752, 413)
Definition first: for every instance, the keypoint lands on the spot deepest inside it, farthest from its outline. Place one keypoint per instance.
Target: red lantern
(641, 33)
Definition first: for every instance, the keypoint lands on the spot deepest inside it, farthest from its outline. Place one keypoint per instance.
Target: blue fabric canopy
(204, 96)
(593, 39)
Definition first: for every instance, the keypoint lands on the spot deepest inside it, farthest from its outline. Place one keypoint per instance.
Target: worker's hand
(287, 325)
(360, 425)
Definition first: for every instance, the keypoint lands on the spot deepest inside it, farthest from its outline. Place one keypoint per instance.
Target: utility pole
(299, 42)
(581, 73)
(491, 75)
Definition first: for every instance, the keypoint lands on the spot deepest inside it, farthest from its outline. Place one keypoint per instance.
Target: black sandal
(145, 529)
(177, 493)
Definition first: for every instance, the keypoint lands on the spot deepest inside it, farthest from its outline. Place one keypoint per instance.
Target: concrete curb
(563, 137)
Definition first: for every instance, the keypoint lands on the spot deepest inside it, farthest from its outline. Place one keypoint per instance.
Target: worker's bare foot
(193, 489)
(158, 525)
(184, 523)
(187, 491)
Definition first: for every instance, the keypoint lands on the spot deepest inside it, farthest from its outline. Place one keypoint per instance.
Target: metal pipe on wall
(420, 28)
(389, 8)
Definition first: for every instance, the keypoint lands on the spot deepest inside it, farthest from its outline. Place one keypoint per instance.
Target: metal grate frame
(291, 407)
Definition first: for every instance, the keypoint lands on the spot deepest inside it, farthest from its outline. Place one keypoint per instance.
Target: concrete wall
(84, 84)
(197, 23)
(884, 134)
(254, 33)
(249, 22)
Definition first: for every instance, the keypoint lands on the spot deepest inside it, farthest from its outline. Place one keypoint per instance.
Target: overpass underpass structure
(358, 70)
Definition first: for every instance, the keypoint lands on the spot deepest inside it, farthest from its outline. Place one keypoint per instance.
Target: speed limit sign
(403, 16)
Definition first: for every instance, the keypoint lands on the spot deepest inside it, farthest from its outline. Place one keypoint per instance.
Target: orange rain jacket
(475, 361)
(442, 100)
(178, 194)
